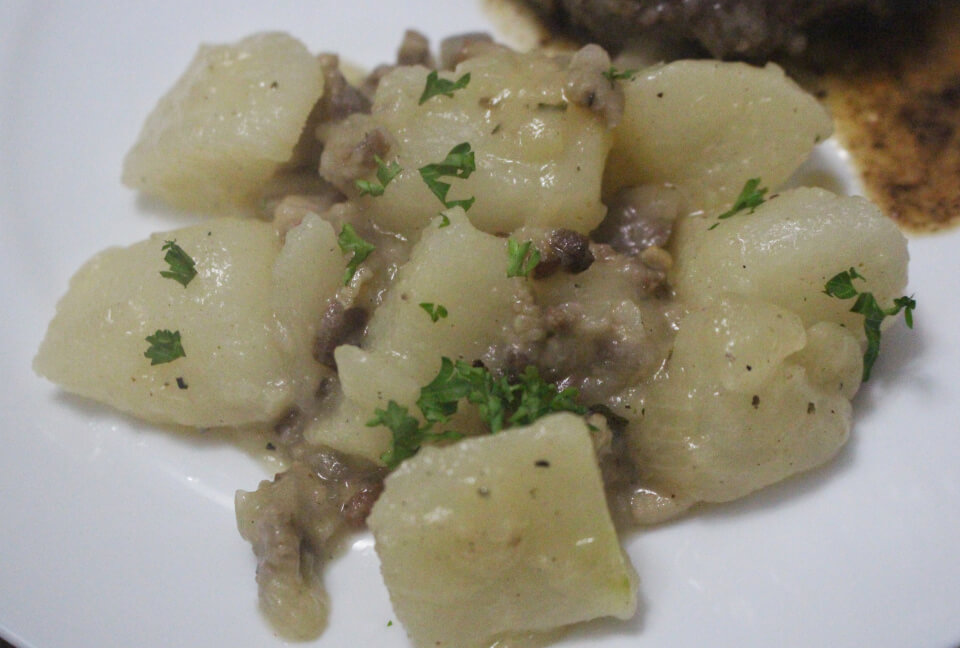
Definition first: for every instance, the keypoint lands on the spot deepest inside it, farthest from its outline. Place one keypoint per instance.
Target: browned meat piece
(339, 326)
(340, 99)
(372, 82)
(351, 150)
(292, 523)
(456, 49)
(564, 250)
(415, 50)
(725, 28)
(289, 522)
(638, 218)
(356, 509)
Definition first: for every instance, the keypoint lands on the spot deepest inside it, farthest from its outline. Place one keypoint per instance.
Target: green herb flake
(385, 174)
(435, 311)
(560, 106)
(459, 163)
(613, 74)
(350, 241)
(841, 286)
(751, 197)
(537, 398)
(437, 86)
(182, 267)
(523, 258)
(408, 434)
(164, 347)
(501, 402)
(438, 400)
(444, 221)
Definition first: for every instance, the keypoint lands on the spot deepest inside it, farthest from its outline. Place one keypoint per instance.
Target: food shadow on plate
(166, 216)
(599, 629)
(251, 441)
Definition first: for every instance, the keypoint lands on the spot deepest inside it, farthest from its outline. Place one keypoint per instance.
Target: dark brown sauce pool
(893, 89)
(894, 92)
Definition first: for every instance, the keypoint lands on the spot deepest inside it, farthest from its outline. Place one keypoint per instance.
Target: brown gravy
(894, 92)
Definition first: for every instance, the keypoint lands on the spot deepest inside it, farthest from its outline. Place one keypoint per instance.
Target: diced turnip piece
(501, 535)
(234, 117)
(709, 126)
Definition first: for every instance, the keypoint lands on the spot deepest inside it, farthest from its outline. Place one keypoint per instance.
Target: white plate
(113, 533)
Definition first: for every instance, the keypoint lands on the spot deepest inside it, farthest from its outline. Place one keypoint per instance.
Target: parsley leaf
(435, 311)
(501, 402)
(385, 173)
(459, 163)
(408, 435)
(538, 398)
(613, 74)
(560, 106)
(437, 86)
(841, 286)
(438, 400)
(751, 197)
(164, 347)
(182, 267)
(492, 396)
(349, 241)
(522, 260)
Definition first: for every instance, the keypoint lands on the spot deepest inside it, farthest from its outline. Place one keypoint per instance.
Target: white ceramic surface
(113, 533)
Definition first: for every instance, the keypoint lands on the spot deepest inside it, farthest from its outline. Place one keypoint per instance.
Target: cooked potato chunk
(306, 274)
(216, 138)
(786, 250)
(465, 271)
(735, 409)
(501, 534)
(708, 126)
(242, 363)
(457, 267)
(539, 159)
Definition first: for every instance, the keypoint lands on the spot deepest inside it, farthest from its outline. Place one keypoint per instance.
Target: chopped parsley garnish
(182, 267)
(437, 86)
(435, 311)
(408, 435)
(751, 197)
(439, 400)
(522, 259)
(459, 163)
(444, 221)
(560, 106)
(613, 74)
(385, 173)
(501, 402)
(164, 347)
(841, 286)
(537, 398)
(350, 242)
